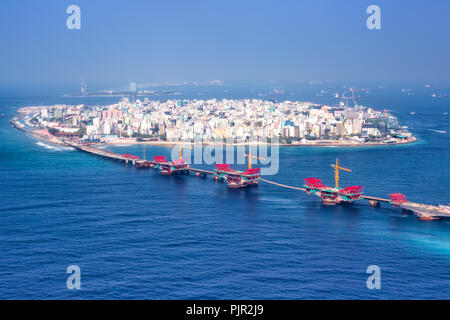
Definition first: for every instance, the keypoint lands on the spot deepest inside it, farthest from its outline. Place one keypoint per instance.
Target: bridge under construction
(252, 177)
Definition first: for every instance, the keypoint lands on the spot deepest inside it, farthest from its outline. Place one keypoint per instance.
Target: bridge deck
(98, 152)
(375, 199)
(116, 156)
(283, 185)
(201, 171)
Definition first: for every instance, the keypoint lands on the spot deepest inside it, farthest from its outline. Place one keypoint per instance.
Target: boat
(439, 131)
(428, 218)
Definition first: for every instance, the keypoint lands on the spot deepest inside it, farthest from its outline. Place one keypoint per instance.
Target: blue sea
(138, 235)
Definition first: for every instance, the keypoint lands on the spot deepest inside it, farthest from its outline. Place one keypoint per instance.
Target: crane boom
(179, 145)
(336, 172)
(249, 156)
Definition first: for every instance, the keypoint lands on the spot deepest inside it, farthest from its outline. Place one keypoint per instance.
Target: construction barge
(336, 195)
(237, 179)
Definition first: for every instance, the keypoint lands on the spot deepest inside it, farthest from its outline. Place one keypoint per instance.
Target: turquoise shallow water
(138, 235)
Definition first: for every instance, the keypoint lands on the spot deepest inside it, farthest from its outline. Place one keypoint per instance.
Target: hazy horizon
(255, 41)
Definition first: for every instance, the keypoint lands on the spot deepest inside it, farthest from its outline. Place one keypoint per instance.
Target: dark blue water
(138, 235)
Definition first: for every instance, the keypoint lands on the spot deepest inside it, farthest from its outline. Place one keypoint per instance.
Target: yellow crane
(249, 156)
(336, 172)
(179, 145)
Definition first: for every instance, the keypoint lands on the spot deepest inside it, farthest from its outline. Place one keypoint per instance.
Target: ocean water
(138, 235)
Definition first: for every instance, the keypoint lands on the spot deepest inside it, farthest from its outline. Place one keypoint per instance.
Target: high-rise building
(83, 88)
(132, 86)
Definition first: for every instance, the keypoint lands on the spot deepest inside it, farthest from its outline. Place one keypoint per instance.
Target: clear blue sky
(179, 40)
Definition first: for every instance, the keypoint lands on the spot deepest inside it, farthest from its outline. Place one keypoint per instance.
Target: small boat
(428, 218)
(439, 131)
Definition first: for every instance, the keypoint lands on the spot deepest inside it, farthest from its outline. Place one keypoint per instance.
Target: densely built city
(209, 121)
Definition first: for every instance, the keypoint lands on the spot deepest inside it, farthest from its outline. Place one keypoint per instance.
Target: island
(226, 121)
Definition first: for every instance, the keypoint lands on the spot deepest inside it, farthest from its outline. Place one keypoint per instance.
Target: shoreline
(322, 144)
(50, 138)
(47, 138)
